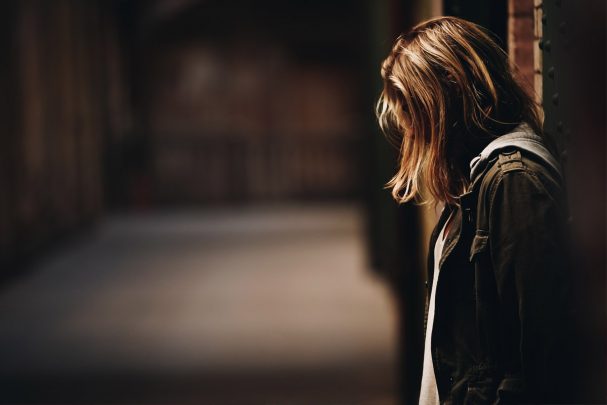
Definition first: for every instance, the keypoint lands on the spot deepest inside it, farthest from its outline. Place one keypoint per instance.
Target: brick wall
(523, 37)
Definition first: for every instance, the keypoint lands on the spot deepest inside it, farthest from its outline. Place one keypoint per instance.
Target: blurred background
(192, 206)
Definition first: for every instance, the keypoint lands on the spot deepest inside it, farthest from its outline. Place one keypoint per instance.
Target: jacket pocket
(480, 243)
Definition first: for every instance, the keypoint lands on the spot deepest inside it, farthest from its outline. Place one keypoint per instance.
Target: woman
(471, 138)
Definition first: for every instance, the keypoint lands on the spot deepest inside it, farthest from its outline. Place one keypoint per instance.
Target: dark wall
(8, 127)
(52, 122)
(574, 50)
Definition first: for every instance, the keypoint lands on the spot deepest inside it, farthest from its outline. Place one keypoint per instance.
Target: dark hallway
(185, 220)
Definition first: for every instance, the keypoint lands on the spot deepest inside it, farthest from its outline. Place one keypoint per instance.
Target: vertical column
(538, 17)
(573, 49)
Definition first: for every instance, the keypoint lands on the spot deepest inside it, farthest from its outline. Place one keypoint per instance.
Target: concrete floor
(267, 305)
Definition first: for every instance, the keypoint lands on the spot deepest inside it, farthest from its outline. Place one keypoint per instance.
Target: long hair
(449, 89)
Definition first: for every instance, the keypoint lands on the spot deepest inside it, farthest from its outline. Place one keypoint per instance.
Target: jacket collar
(522, 137)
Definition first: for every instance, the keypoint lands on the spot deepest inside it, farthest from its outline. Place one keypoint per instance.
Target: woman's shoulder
(521, 150)
(515, 174)
(519, 163)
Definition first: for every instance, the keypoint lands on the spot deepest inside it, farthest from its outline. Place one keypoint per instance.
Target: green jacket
(503, 295)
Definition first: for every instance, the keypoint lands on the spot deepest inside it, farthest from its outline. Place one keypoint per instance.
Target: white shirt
(429, 392)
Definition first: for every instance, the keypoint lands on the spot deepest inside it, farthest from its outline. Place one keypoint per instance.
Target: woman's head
(448, 90)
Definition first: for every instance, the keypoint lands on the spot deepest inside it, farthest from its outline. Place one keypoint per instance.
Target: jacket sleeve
(527, 246)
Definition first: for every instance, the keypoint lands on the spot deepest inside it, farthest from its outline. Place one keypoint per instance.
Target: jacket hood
(521, 137)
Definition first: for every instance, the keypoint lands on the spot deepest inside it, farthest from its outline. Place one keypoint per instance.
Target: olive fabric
(503, 299)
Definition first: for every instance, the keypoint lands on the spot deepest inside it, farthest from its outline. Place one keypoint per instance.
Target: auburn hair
(448, 90)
